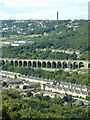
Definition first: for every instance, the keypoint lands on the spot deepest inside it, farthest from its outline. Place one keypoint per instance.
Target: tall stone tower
(57, 16)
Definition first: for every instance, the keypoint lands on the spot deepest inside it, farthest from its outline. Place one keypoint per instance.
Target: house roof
(14, 81)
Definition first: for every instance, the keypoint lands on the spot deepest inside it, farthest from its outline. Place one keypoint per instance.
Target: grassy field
(55, 69)
(3, 38)
(48, 69)
(34, 35)
(21, 37)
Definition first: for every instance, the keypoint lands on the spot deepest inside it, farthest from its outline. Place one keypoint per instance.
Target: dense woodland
(39, 107)
(29, 52)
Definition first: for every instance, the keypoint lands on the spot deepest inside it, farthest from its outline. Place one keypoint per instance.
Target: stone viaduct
(73, 64)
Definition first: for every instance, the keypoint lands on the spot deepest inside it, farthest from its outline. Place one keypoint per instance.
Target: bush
(88, 98)
(29, 94)
(4, 84)
(24, 87)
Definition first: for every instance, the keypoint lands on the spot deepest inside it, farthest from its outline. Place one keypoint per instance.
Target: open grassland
(34, 35)
(47, 69)
(3, 38)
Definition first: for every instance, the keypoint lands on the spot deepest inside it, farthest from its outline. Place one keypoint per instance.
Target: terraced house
(52, 85)
(68, 88)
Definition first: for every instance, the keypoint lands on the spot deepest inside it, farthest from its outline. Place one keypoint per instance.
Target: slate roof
(14, 81)
(58, 86)
(85, 93)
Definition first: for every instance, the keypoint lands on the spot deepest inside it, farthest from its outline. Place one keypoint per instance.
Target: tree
(29, 94)
(14, 94)
(4, 84)
(67, 98)
(5, 115)
(88, 98)
(24, 87)
(46, 98)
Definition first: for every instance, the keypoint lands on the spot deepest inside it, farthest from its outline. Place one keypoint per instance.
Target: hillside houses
(52, 85)
(68, 88)
(62, 51)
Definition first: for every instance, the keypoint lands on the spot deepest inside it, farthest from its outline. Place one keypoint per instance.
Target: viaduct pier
(72, 64)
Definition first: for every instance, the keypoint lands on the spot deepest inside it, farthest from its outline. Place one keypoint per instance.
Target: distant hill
(63, 34)
(68, 34)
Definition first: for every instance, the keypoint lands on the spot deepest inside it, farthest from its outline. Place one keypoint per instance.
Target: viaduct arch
(73, 64)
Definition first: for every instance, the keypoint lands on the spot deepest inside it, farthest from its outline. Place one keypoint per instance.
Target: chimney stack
(57, 16)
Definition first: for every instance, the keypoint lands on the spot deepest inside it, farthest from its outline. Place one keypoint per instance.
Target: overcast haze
(43, 9)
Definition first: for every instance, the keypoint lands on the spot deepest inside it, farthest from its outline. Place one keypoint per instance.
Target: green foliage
(67, 98)
(26, 52)
(24, 87)
(4, 84)
(12, 93)
(29, 94)
(40, 107)
(88, 98)
(80, 104)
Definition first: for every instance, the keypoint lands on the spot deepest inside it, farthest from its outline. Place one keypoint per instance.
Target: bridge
(73, 64)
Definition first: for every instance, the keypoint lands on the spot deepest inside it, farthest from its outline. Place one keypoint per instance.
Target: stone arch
(16, 63)
(69, 65)
(2, 62)
(48, 64)
(39, 64)
(25, 63)
(59, 65)
(34, 63)
(43, 64)
(53, 64)
(20, 63)
(64, 64)
(81, 64)
(11, 62)
(75, 65)
(89, 65)
(7, 61)
(29, 64)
